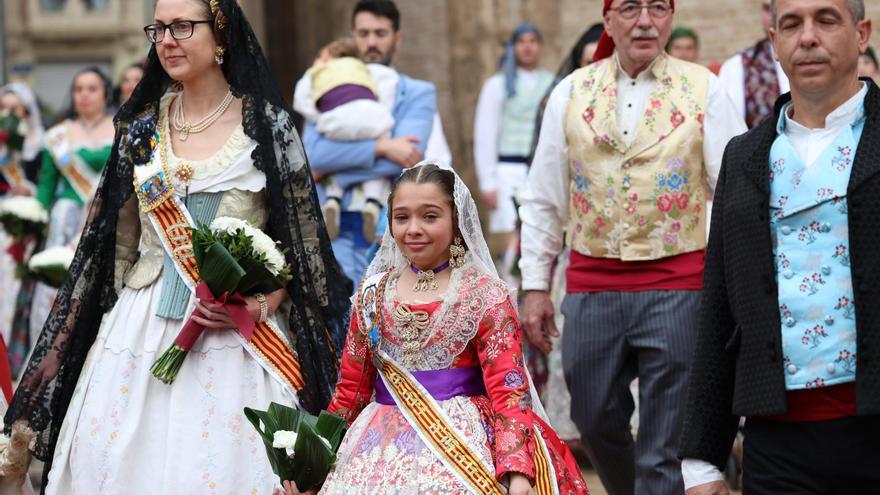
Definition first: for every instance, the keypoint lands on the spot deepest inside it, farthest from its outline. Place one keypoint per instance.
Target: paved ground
(590, 476)
(593, 483)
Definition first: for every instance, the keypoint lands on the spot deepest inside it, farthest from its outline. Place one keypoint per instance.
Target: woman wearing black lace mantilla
(205, 135)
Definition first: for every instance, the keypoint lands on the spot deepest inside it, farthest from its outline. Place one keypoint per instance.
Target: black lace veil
(319, 291)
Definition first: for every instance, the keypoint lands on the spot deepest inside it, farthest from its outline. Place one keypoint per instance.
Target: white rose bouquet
(22, 216)
(51, 266)
(301, 447)
(235, 260)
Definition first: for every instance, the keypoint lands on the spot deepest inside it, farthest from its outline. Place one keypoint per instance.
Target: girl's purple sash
(441, 384)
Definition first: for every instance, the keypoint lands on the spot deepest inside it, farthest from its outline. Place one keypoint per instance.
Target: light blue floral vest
(519, 114)
(810, 235)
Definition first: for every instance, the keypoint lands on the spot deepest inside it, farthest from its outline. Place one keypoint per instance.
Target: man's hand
(402, 151)
(490, 199)
(713, 488)
(537, 319)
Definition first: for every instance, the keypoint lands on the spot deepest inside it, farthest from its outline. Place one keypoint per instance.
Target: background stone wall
(453, 43)
(456, 43)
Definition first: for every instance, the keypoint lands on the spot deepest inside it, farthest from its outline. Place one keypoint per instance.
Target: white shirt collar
(645, 75)
(846, 114)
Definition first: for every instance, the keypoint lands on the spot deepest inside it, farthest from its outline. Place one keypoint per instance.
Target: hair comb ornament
(220, 20)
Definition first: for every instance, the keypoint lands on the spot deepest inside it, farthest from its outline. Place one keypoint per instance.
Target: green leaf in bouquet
(9, 131)
(267, 423)
(320, 456)
(202, 238)
(53, 275)
(257, 278)
(19, 228)
(331, 427)
(317, 441)
(220, 270)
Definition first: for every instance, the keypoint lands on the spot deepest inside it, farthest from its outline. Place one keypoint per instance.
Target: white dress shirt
(733, 79)
(809, 145)
(487, 125)
(544, 210)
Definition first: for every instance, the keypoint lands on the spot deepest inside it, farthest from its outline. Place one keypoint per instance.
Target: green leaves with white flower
(301, 447)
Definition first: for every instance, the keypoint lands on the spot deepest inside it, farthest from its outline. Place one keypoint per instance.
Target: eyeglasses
(180, 30)
(657, 10)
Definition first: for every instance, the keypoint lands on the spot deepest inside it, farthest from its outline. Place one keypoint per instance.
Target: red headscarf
(606, 44)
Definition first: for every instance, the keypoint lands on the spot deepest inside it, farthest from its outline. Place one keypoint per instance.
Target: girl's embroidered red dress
(473, 337)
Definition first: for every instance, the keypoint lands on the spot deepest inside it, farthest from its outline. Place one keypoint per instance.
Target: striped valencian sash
(82, 178)
(10, 168)
(428, 419)
(172, 222)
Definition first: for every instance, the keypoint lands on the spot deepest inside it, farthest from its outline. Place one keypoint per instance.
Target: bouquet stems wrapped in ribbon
(235, 260)
(301, 447)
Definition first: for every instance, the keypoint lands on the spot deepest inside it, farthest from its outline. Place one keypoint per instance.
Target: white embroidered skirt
(382, 454)
(127, 432)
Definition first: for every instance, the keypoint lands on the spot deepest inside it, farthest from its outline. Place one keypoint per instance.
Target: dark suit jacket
(737, 366)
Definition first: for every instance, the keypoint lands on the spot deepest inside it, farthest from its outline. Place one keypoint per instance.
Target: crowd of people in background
(596, 183)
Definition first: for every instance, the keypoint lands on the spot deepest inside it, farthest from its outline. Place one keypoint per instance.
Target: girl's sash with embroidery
(174, 225)
(12, 137)
(426, 416)
(10, 169)
(78, 173)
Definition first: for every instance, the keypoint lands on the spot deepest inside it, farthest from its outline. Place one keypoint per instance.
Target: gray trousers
(609, 339)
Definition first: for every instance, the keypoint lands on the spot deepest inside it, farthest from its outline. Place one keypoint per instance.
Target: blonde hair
(342, 47)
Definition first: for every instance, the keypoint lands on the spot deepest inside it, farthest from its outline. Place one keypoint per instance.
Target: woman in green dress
(76, 150)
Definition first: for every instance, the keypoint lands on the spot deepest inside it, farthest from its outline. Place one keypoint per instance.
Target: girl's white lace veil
(390, 258)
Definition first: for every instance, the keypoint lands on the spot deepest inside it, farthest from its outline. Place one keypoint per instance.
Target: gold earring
(456, 253)
(218, 55)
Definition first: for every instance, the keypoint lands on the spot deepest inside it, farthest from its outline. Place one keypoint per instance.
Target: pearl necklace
(185, 128)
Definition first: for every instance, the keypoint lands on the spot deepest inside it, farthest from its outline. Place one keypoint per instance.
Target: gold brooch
(184, 173)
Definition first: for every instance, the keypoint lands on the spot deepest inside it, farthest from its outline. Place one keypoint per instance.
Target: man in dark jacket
(790, 296)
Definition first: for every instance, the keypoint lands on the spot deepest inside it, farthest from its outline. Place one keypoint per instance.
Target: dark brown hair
(428, 174)
(379, 8)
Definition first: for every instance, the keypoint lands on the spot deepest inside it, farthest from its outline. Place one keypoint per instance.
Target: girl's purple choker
(425, 278)
(435, 270)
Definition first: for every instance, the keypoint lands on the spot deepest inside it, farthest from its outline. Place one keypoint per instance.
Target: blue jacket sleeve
(327, 156)
(414, 116)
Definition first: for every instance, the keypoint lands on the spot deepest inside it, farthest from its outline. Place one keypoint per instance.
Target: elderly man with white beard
(629, 152)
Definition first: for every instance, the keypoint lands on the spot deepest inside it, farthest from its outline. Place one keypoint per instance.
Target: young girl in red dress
(432, 310)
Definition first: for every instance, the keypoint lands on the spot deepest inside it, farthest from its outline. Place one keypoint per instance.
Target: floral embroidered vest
(518, 116)
(810, 233)
(646, 200)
